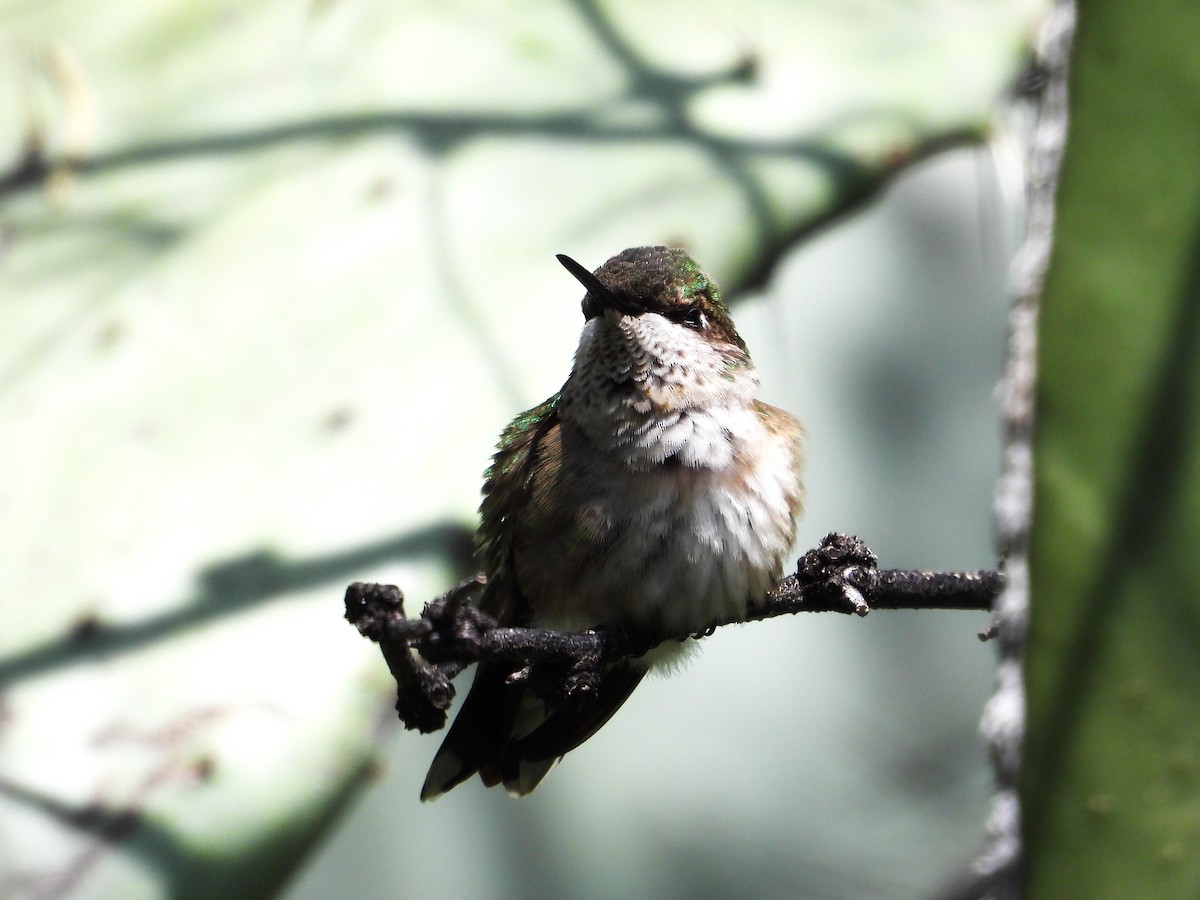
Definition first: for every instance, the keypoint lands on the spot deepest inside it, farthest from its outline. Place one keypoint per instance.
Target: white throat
(650, 390)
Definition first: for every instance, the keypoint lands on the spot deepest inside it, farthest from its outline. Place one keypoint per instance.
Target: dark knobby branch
(565, 668)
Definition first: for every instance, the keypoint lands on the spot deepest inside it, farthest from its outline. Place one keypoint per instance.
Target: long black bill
(599, 290)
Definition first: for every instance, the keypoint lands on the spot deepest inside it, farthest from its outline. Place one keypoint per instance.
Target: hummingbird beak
(599, 290)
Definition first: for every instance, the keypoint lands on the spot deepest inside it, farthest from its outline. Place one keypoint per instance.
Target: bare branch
(841, 575)
(996, 873)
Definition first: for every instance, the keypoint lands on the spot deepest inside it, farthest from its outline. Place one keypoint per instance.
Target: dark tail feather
(481, 738)
(527, 760)
(480, 733)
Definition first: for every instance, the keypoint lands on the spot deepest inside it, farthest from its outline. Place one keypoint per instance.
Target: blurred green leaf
(270, 279)
(1111, 788)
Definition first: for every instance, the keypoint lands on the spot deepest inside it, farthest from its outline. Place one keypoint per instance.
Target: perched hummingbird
(652, 494)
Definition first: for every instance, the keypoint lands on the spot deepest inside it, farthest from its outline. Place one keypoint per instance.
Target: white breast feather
(707, 538)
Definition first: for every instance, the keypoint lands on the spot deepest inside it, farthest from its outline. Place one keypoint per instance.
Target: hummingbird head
(663, 281)
(658, 347)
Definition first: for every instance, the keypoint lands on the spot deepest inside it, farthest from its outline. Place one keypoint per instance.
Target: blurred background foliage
(273, 277)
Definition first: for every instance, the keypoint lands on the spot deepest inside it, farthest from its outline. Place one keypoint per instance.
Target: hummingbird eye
(693, 317)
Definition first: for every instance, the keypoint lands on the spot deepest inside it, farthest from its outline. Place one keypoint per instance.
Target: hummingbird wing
(503, 730)
(484, 725)
(506, 487)
(533, 738)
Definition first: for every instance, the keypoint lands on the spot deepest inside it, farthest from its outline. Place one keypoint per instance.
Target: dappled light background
(271, 282)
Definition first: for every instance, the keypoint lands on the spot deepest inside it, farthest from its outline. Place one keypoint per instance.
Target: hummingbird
(652, 494)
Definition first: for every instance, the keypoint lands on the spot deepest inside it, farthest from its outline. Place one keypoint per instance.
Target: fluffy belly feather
(666, 549)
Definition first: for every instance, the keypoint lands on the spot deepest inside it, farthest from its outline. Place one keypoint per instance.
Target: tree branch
(996, 872)
(566, 668)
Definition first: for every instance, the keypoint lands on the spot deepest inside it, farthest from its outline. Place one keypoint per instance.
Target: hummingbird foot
(572, 684)
(582, 684)
(842, 566)
(456, 625)
(560, 686)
